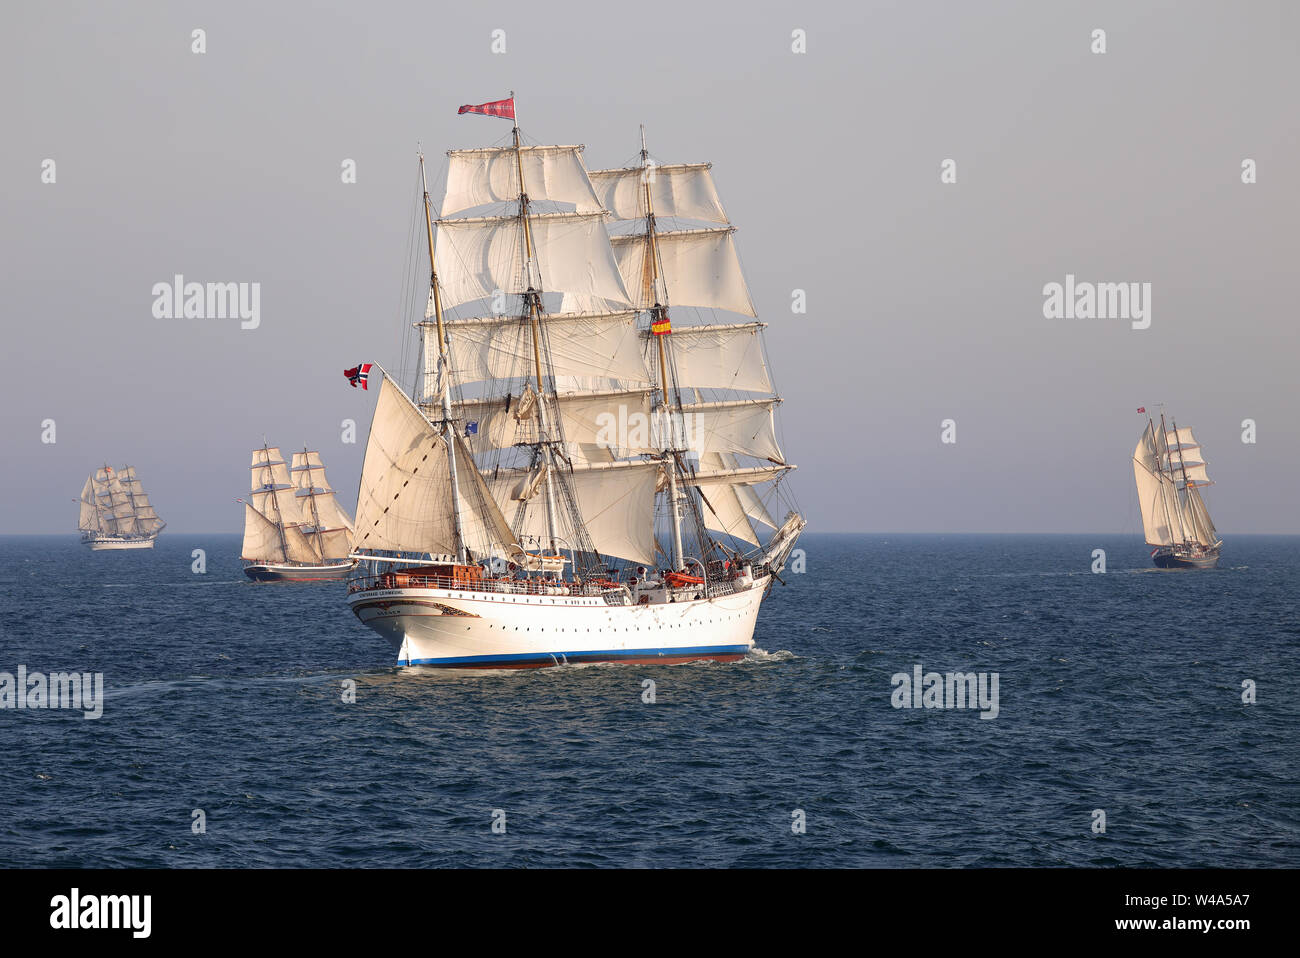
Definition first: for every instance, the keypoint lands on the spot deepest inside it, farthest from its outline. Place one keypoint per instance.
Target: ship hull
(118, 543)
(268, 572)
(455, 629)
(1170, 560)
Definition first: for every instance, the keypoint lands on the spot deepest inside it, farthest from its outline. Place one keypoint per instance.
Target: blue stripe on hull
(546, 659)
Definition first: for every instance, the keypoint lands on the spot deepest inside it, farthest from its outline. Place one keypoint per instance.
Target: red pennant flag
(504, 108)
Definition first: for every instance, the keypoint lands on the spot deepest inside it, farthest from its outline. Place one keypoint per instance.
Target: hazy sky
(925, 300)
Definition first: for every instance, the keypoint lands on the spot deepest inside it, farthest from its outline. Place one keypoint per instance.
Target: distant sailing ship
(1170, 470)
(116, 513)
(577, 478)
(294, 529)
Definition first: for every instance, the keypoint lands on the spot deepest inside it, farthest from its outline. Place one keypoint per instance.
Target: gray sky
(925, 300)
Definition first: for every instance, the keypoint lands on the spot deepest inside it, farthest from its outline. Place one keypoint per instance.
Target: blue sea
(1119, 693)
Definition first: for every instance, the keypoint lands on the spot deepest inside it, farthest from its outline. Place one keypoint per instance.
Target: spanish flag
(661, 326)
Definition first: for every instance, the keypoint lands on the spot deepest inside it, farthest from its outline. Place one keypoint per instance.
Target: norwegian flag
(1142, 408)
(359, 374)
(503, 108)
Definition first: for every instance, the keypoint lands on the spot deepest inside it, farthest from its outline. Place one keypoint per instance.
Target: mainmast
(1178, 504)
(659, 315)
(311, 496)
(443, 378)
(532, 299)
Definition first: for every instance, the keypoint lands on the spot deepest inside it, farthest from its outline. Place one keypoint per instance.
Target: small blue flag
(471, 428)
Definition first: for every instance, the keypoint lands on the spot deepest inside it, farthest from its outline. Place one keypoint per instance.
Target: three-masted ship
(580, 475)
(116, 512)
(1170, 471)
(294, 528)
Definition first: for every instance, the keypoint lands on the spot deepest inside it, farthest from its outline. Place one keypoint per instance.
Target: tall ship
(1170, 471)
(116, 512)
(587, 465)
(294, 528)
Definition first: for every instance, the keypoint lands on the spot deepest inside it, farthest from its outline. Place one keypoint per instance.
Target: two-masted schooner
(1170, 469)
(579, 477)
(294, 528)
(116, 512)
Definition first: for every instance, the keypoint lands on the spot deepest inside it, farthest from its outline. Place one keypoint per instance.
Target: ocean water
(1119, 692)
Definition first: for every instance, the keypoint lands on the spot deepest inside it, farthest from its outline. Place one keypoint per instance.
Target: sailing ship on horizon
(116, 513)
(1170, 470)
(508, 517)
(294, 528)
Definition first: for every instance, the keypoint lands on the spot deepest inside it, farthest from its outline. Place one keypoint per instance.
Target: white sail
(601, 345)
(123, 513)
(479, 256)
(747, 497)
(405, 501)
(269, 469)
(1192, 472)
(697, 267)
(554, 173)
(723, 509)
(298, 547)
(742, 427)
(1166, 519)
(88, 516)
(307, 465)
(1181, 438)
(261, 538)
(679, 189)
(616, 501)
(721, 356)
(1209, 536)
(1153, 495)
(616, 421)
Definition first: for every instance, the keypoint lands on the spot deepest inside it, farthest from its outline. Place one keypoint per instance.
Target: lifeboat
(679, 579)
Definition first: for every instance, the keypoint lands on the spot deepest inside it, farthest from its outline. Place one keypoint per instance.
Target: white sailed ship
(1169, 469)
(294, 529)
(578, 478)
(116, 513)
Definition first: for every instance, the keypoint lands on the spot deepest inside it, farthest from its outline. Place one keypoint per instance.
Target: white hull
(103, 543)
(455, 628)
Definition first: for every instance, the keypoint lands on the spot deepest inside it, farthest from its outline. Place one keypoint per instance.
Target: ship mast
(311, 496)
(532, 299)
(1178, 506)
(1196, 523)
(659, 314)
(443, 378)
(279, 516)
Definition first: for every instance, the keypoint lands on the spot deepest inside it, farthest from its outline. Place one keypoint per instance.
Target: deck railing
(615, 592)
